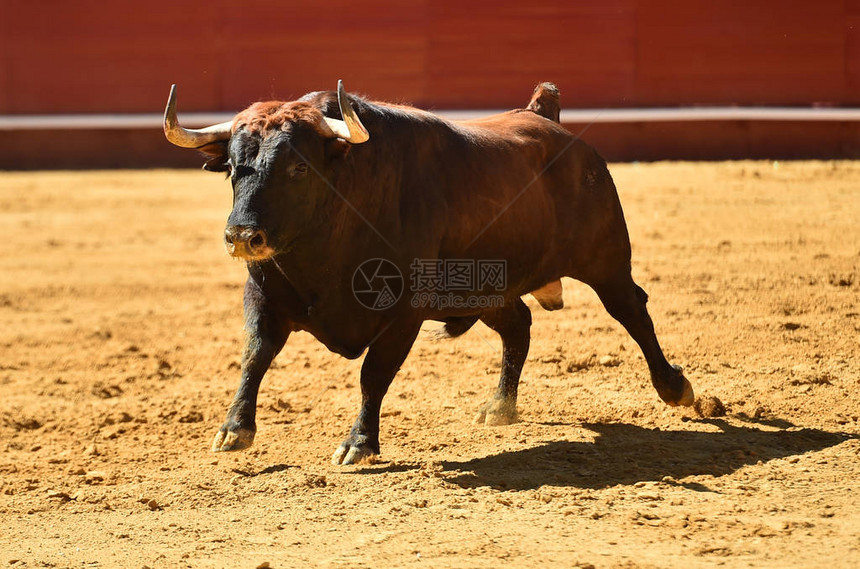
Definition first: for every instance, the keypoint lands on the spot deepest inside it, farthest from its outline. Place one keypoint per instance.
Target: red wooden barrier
(91, 56)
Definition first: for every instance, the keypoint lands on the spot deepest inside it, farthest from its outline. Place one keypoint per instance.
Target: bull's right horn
(191, 138)
(350, 128)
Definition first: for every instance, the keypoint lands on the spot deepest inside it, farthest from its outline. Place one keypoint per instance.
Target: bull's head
(280, 157)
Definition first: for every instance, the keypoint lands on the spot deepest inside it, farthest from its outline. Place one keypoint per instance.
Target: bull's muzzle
(245, 242)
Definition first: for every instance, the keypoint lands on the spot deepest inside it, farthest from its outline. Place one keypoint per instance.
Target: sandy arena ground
(120, 331)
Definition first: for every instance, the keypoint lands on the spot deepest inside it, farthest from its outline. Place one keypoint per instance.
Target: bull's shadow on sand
(625, 454)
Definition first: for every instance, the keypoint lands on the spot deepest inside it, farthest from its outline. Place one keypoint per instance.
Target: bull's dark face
(282, 158)
(280, 178)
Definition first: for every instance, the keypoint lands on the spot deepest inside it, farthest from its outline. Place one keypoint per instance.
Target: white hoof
(497, 412)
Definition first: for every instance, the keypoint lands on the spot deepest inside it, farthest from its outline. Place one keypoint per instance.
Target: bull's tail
(545, 102)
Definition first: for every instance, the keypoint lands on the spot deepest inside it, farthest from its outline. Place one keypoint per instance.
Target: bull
(326, 184)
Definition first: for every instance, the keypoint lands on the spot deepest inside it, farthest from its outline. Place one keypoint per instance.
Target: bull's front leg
(384, 358)
(265, 335)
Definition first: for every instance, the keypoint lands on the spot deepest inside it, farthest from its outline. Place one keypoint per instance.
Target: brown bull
(338, 201)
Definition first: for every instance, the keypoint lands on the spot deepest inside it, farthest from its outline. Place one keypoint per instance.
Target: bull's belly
(350, 329)
(344, 345)
(438, 305)
(345, 325)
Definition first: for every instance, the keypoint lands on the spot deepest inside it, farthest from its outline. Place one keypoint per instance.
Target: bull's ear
(336, 148)
(216, 154)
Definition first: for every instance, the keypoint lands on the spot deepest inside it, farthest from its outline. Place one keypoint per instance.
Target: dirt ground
(120, 331)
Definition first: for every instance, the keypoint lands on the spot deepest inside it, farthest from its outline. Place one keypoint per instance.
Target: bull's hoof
(230, 438)
(354, 450)
(687, 398)
(497, 412)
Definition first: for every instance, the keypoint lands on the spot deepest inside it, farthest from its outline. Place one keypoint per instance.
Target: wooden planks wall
(92, 56)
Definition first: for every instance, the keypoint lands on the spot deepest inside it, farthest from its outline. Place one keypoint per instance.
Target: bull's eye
(300, 169)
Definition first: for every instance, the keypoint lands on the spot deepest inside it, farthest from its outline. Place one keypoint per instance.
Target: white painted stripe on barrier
(588, 116)
(714, 114)
(91, 122)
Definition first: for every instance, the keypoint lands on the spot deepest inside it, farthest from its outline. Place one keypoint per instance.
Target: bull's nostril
(245, 241)
(257, 241)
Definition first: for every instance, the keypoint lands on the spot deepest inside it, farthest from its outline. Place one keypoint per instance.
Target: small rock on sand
(709, 406)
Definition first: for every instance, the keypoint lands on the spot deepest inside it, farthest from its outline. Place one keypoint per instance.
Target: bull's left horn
(350, 128)
(191, 138)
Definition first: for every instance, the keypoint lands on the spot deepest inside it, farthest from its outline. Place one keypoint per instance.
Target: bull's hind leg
(625, 301)
(384, 358)
(513, 323)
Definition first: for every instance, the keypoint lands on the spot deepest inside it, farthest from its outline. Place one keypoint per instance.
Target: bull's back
(550, 204)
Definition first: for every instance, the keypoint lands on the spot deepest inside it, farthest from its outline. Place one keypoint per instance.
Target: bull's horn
(191, 138)
(350, 128)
